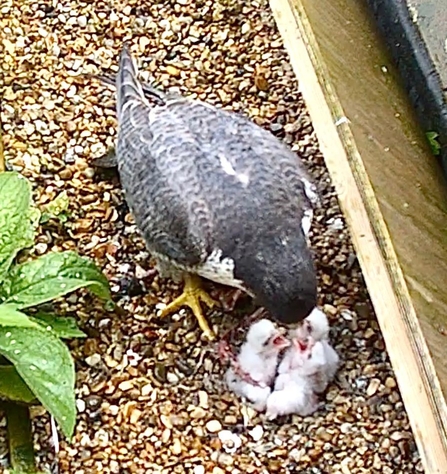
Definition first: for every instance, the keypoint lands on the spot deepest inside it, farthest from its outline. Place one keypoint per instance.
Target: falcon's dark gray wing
(155, 196)
(200, 179)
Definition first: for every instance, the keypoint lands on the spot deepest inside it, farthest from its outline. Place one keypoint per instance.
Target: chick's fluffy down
(255, 394)
(291, 396)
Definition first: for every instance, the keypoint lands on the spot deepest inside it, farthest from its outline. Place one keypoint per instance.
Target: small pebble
(256, 433)
(373, 386)
(93, 360)
(323, 434)
(390, 382)
(231, 442)
(41, 248)
(66, 173)
(225, 459)
(80, 405)
(126, 385)
(176, 447)
(172, 378)
(198, 413)
(173, 71)
(146, 390)
(397, 435)
(203, 399)
(213, 426)
(82, 21)
(89, 173)
(135, 416)
(230, 420)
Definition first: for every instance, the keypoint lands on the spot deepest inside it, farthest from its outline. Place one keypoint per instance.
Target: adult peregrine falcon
(215, 196)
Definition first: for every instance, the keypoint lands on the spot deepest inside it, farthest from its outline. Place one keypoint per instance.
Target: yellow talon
(192, 295)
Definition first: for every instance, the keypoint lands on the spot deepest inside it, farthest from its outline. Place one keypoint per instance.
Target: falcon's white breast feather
(311, 192)
(306, 221)
(220, 270)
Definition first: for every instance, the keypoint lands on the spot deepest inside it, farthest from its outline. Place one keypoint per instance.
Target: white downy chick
(320, 368)
(258, 359)
(328, 370)
(293, 392)
(322, 362)
(316, 326)
(307, 368)
(296, 397)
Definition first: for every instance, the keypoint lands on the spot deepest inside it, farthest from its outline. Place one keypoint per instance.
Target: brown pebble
(173, 71)
(404, 448)
(373, 386)
(260, 81)
(197, 413)
(126, 385)
(323, 434)
(230, 420)
(66, 173)
(70, 126)
(390, 382)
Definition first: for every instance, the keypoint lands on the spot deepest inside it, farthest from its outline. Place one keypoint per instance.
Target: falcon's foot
(192, 295)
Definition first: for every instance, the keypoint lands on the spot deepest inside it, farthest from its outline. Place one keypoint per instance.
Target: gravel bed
(150, 392)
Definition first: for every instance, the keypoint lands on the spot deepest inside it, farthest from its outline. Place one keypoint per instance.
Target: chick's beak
(280, 341)
(301, 344)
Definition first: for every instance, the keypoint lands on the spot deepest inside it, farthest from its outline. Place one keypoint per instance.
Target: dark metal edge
(420, 77)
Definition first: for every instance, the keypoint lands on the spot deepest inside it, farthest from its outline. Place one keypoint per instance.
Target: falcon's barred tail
(128, 86)
(149, 91)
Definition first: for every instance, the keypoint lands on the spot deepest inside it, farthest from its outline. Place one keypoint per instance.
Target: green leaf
(34, 217)
(57, 209)
(63, 326)
(9, 317)
(12, 386)
(433, 142)
(50, 276)
(58, 205)
(44, 218)
(45, 364)
(15, 227)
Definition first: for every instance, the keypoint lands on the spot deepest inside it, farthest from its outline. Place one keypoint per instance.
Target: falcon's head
(279, 271)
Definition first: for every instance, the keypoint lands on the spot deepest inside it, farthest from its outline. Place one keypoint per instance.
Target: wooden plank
(390, 190)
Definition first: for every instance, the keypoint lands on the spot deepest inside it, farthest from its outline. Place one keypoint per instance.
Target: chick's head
(319, 325)
(315, 327)
(264, 337)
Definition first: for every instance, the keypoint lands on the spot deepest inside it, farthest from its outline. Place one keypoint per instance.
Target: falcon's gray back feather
(202, 181)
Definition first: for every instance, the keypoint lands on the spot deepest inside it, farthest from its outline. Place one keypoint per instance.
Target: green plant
(56, 209)
(35, 365)
(435, 146)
